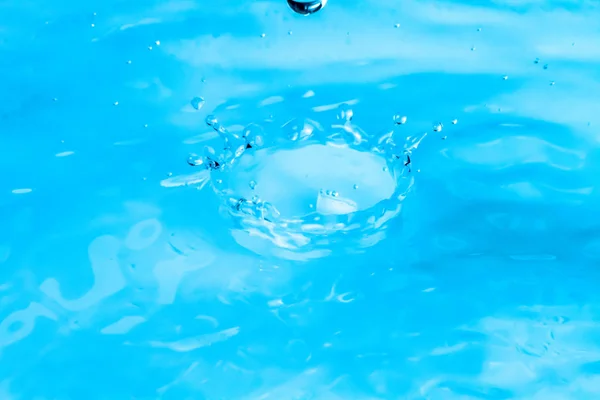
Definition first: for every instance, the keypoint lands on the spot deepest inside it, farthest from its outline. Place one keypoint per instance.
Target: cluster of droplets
(254, 207)
(234, 146)
(395, 148)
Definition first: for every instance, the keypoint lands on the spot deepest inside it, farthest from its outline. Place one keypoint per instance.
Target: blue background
(113, 286)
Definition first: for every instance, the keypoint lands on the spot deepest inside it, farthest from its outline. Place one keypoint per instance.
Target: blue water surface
(469, 273)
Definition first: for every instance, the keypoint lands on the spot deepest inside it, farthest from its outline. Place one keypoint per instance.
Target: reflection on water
(390, 200)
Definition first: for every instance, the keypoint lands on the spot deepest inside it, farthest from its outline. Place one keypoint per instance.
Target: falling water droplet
(545, 66)
(157, 42)
(263, 35)
(397, 26)
(454, 121)
(537, 60)
(197, 102)
(355, 186)
(252, 185)
(552, 83)
(473, 48)
(505, 77)
(116, 103)
(438, 127)
(306, 7)
(399, 119)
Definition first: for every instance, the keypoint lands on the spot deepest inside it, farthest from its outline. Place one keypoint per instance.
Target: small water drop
(197, 102)
(157, 42)
(149, 47)
(252, 185)
(438, 127)
(473, 48)
(345, 113)
(397, 26)
(399, 119)
(478, 29)
(116, 103)
(262, 35)
(505, 77)
(454, 121)
(211, 120)
(552, 83)
(355, 186)
(385, 169)
(306, 7)
(92, 25)
(128, 61)
(219, 181)
(537, 60)
(545, 66)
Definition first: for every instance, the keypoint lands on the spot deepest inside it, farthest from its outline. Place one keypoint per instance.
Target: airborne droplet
(197, 102)
(399, 119)
(306, 7)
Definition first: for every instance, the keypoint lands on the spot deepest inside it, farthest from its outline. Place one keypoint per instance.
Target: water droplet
(128, 61)
(345, 113)
(438, 127)
(552, 83)
(454, 121)
(385, 169)
(157, 42)
(149, 47)
(116, 103)
(545, 66)
(306, 7)
(290, 33)
(505, 77)
(536, 61)
(399, 119)
(219, 181)
(397, 26)
(444, 137)
(335, 194)
(93, 25)
(211, 120)
(473, 48)
(478, 29)
(197, 102)
(262, 35)
(252, 185)
(355, 186)
(145, 125)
